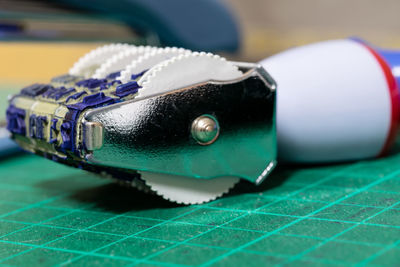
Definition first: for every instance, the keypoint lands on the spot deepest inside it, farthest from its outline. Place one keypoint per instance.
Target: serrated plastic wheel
(188, 190)
(88, 64)
(181, 71)
(119, 61)
(149, 60)
(186, 70)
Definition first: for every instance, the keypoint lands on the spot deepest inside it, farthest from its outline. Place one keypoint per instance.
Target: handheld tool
(183, 124)
(189, 125)
(337, 100)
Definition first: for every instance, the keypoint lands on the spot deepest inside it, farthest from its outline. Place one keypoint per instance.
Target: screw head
(205, 129)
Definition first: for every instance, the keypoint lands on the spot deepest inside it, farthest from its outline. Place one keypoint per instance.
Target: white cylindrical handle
(334, 102)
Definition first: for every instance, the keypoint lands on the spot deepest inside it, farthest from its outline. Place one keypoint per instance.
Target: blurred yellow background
(267, 27)
(24, 63)
(270, 26)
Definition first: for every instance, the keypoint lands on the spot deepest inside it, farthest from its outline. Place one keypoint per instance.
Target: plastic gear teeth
(192, 68)
(86, 65)
(186, 190)
(149, 60)
(105, 175)
(164, 67)
(139, 185)
(119, 61)
(136, 182)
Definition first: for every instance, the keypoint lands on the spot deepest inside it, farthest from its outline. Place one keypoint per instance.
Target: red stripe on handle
(395, 101)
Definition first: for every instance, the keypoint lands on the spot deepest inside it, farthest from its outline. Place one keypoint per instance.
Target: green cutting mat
(321, 216)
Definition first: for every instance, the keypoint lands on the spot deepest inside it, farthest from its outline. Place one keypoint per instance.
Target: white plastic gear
(185, 70)
(181, 71)
(188, 190)
(169, 68)
(140, 185)
(149, 60)
(136, 183)
(122, 59)
(88, 63)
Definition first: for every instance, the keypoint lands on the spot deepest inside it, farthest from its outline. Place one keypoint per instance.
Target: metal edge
(270, 167)
(251, 69)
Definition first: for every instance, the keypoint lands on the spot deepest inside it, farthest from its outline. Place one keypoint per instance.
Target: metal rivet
(205, 129)
(93, 135)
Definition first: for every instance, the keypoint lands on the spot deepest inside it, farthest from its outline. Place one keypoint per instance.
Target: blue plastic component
(95, 99)
(104, 86)
(66, 78)
(57, 93)
(67, 135)
(36, 126)
(91, 83)
(392, 57)
(113, 75)
(107, 85)
(11, 27)
(63, 92)
(35, 89)
(16, 120)
(127, 89)
(140, 74)
(206, 25)
(32, 125)
(49, 92)
(76, 96)
(53, 130)
(38, 123)
(68, 128)
(114, 82)
(41, 121)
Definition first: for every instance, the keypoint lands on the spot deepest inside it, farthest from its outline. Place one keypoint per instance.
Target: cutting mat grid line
(310, 214)
(236, 209)
(194, 244)
(343, 232)
(271, 196)
(348, 214)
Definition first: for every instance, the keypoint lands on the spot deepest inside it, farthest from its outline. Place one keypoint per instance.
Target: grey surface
(270, 26)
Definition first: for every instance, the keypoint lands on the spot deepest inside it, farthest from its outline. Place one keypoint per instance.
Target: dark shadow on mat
(112, 197)
(12, 155)
(395, 149)
(104, 194)
(275, 179)
(116, 198)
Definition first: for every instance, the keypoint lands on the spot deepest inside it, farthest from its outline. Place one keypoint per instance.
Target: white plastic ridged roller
(191, 68)
(336, 101)
(88, 64)
(119, 61)
(167, 69)
(149, 60)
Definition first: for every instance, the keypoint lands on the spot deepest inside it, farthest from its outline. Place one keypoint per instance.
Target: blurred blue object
(9, 27)
(392, 57)
(205, 25)
(7, 146)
